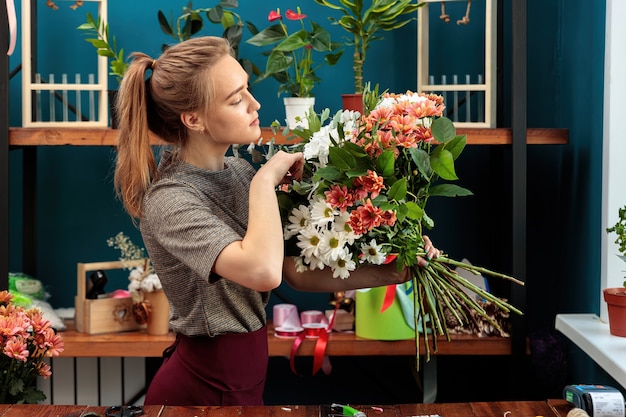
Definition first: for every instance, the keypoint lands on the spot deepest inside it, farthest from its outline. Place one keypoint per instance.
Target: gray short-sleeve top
(189, 216)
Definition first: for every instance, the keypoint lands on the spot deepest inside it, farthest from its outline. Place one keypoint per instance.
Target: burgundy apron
(229, 369)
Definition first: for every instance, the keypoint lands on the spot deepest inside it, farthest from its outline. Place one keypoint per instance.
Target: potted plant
(616, 297)
(363, 23)
(191, 22)
(290, 59)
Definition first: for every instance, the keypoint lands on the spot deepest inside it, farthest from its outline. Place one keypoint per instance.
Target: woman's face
(232, 116)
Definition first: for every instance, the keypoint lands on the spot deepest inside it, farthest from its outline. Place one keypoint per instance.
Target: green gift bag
(395, 322)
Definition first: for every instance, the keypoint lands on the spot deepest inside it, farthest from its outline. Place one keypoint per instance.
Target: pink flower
(291, 15)
(339, 197)
(16, 348)
(43, 369)
(274, 15)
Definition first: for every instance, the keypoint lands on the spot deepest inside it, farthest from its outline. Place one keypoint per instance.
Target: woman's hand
(431, 252)
(283, 168)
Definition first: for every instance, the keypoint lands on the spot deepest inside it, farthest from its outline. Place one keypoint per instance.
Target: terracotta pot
(159, 318)
(616, 302)
(352, 102)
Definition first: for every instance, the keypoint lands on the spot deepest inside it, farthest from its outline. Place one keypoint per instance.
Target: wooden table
(549, 408)
(141, 344)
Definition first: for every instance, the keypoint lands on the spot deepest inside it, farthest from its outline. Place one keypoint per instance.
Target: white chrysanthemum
(299, 219)
(333, 243)
(300, 266)
(317, 147)
(309, 240)
(151, 283)
(314, 262)
(372, 253)
(321, 212)
(343, 265)
(341, 224)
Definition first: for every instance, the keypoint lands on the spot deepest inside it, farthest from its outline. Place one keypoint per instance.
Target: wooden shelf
(140, 344)
(108, 137)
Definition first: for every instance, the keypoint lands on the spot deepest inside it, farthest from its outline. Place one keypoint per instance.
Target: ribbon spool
(286, 321)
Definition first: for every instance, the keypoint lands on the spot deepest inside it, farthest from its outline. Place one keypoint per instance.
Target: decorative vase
(296, 109)
(159, 318)
(352, 102)
(616, 302)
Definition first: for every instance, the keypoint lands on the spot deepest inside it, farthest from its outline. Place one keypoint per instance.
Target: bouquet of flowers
(363, 199)
(26, 339)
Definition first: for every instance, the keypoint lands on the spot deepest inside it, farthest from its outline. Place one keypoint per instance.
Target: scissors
(124, 411)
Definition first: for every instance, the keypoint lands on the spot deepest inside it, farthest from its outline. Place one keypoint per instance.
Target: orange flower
(371, 183)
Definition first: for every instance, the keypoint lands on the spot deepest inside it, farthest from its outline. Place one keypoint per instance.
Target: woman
(216, 262)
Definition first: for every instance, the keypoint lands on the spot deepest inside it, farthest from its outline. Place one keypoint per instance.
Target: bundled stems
(437, 287)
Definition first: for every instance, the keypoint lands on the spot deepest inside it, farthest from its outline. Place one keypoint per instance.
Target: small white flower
(308, 241)
(300, 266)
(299, 219)
(372, 253)
(344, 264)
(332, 245)
(341, 224)
(321, 212)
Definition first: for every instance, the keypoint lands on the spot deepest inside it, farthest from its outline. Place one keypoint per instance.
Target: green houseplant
(105, 45)
(290, 60)
(363, 20)
(190, 22)
(616, 297)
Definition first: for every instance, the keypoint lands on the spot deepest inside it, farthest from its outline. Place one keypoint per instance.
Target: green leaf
(442, 163)
(341, 158)
(443, 129)
(414, 211)
(398, 190)
(448, 190)
(328, 173)
(385, 164)
(422, 160)
(456, 146)
(165, 25)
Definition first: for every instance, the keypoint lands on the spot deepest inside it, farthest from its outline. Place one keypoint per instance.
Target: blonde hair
(178, 84)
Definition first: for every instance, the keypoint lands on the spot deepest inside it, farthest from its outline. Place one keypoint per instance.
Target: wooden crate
(102, 315)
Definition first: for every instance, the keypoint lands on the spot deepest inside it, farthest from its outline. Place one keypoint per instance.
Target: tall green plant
(363, 23)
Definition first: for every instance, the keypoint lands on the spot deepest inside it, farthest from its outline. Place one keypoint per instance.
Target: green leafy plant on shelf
(190, 22)
(364, 23)
(619, 229)
(105, 45)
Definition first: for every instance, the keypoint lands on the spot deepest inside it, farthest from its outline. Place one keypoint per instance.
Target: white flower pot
(296, 109)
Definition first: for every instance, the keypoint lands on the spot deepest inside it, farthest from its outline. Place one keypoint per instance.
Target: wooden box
(102, 315)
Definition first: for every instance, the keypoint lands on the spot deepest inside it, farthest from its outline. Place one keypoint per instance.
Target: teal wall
(77, 210)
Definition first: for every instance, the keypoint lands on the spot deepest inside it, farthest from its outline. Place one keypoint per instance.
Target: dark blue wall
(77, 210)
